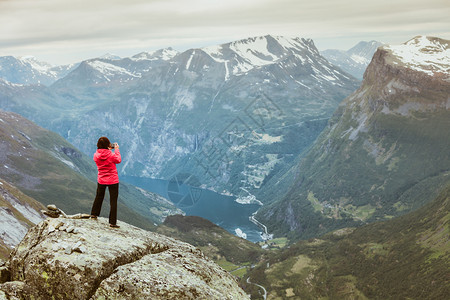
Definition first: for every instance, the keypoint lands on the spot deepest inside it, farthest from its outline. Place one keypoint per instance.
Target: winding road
(260, 286)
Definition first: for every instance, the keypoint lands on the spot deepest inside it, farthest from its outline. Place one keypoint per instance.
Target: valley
(283, 169)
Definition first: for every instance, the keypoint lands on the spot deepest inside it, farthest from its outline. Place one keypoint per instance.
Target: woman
(106, 161)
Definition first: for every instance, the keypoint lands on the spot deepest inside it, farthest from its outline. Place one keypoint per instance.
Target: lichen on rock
(94, 261)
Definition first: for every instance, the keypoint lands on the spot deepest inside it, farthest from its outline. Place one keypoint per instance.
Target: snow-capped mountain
(385, 151)
(228, 60)
(239, 57)
(110, 56)
(28, 70)
(242, 56)
(426, 54)
(355, 60)
(179, 112)
(164, 54)
(94, 74)
(97, 73)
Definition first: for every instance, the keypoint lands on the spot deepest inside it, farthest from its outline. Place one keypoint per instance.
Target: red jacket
(106, 161)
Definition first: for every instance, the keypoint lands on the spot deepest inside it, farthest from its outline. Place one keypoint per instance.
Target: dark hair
(103, 143)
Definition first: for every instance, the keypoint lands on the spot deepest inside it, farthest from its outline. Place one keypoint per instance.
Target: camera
(113, 145)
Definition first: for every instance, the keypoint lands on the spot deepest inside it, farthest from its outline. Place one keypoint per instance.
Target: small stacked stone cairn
(54, 212)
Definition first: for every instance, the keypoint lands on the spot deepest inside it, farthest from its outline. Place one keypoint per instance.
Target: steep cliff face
(65, 258)
(384, 152)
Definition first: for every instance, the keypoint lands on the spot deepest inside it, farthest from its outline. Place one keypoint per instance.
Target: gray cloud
(71, 30)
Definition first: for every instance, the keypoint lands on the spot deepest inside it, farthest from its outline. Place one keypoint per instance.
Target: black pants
(113, 194)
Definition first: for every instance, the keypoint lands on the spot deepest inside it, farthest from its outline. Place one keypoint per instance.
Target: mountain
(110, 56)
(45, 167)
(385, 150)
(18, 213)
(164, 54)
(404, 258)
(355, 60)
(97, 78)
(233, 253)
(234, 115)
(28, 70)
(67, 258)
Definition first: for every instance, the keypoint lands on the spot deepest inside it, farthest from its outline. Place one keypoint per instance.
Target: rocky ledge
(65, 258)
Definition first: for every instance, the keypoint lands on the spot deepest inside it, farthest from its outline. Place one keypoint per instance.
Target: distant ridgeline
(355, 60)
(385, 151)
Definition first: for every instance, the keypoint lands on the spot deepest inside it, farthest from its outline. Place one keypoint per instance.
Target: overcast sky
(65, 31)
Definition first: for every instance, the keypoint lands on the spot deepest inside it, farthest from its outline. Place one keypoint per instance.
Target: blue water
(219, 209)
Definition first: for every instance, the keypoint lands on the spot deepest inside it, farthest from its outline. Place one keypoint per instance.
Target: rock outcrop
(65, 258)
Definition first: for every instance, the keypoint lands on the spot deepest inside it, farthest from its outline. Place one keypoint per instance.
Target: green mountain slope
(229, 251)
(49, 169)
(384, 152)
(404, 258)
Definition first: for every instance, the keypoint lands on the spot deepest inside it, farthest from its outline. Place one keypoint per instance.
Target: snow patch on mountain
(244, 55)
(110, 56)
(28, 70)
(163, 54)
(254, 51)
(108, 69)
(296, 44)
(42, 67)
(227, 71)
(425, 54)
(216, 52)
(360, 59)
(188, 64)
(5, 82)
